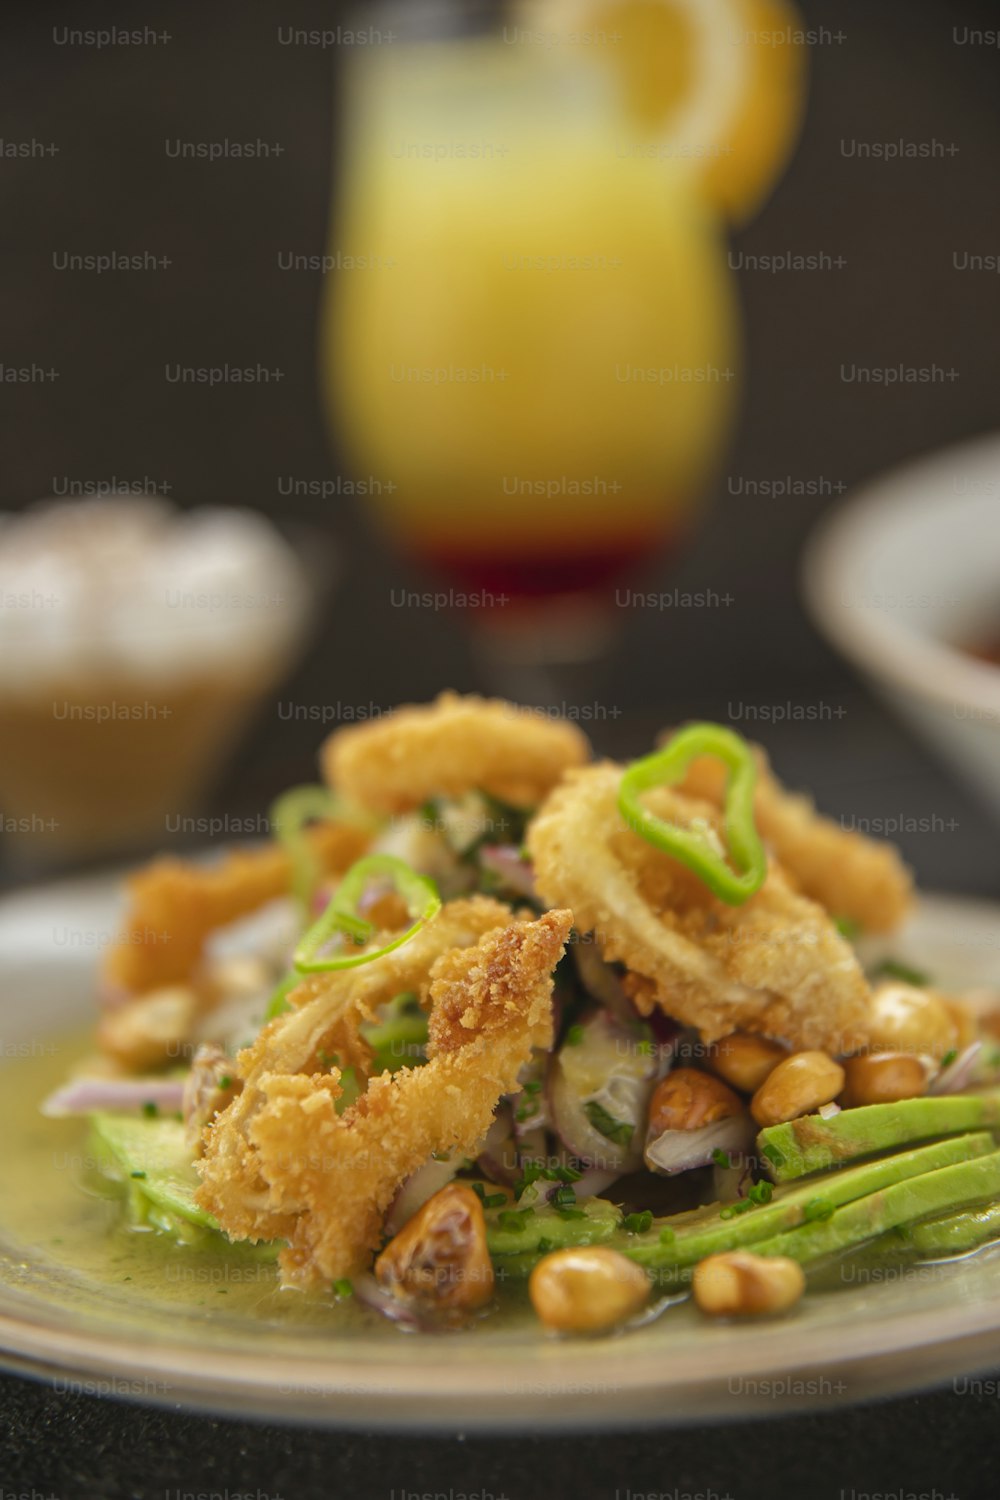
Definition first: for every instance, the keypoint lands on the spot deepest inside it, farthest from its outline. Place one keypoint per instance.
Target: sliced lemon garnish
(720, 83)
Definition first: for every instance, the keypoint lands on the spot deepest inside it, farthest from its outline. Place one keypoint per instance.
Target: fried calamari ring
(174, 905)
(452, 746)
(851, 875)
(775, 965)
(325, 1019)
(326, 1180)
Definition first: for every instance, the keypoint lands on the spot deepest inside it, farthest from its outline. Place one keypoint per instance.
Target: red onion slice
(605, 1067)
(82, 1096)
(498, 1158)
(418, 1187)
(504, 861)
(601, 981)
(959, 1072)
(681, 1150)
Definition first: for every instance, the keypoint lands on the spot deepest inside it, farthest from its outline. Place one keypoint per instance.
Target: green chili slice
(691, 846)
(341, 915)
(290, 814)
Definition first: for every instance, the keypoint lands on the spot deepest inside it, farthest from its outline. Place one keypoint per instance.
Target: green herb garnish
(619, 1131)
(891, 968)
(638, 1223)
(341, 914)
(489, 1200)
(514, 1219)
(817, 1208)
(732, 879)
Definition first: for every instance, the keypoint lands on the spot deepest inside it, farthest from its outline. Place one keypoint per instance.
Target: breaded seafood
(452, 746)
(323, 1180)
(775, 965)
(851, 875)
(175, 904)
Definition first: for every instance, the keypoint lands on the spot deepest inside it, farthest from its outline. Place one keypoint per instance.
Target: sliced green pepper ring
(289, 816)
(688, 845)
(341, 915)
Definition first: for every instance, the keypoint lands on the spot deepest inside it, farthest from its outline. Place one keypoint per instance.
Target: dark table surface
(939, 1446)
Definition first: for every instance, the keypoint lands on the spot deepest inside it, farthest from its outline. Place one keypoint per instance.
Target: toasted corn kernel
(440, 1256)
(744, 1060)
(587, 1290)
(882, 1078)
(796, 1087)
(147, 1031)
(687, 1099)
(740, 1284)
(904, 1018)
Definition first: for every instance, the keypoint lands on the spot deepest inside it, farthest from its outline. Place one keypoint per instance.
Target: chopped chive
(489, 1200)
(343, 1287)
(514, 1219)
(150, 1109)
(721, 1158)
(761, 1192)
(949, 1057)
(638, 1223)
(137, 1174)
(891, 968)
(619, 1131)
(817, 1208)
(225, 1082)
(574, 1036)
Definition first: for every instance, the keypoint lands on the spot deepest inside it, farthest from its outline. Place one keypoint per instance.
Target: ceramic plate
(84, 1305)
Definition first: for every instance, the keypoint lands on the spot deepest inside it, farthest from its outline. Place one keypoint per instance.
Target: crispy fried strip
(851, 875)
(775, 965)
(328, 1010)
(175, 904)
(327, 1179)
(452, 746)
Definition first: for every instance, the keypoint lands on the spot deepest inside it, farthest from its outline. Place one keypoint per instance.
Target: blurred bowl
(905, 580)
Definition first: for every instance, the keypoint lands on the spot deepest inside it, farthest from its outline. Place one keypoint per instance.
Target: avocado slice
(812, 1143)
(947, 1188)
(791, 1207)
(152, 1160)
(533, 1230)
(951, 1234)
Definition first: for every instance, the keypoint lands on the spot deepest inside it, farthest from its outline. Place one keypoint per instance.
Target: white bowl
(903, 577)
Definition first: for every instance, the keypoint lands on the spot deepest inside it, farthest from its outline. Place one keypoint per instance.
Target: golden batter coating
(775, 965)
(291, 1167)
(175, 904)
(449, 747)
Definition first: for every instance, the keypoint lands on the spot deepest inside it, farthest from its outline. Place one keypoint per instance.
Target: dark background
(898, 73)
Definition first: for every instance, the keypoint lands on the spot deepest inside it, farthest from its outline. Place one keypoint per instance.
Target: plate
(80, 1306)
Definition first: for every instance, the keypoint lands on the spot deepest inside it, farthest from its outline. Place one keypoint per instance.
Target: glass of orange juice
(535, 348)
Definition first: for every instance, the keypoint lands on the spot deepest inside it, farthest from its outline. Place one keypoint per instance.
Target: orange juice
(537, 354)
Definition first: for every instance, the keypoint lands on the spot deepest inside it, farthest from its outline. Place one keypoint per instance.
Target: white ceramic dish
(904, 575)
(106, 1333)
